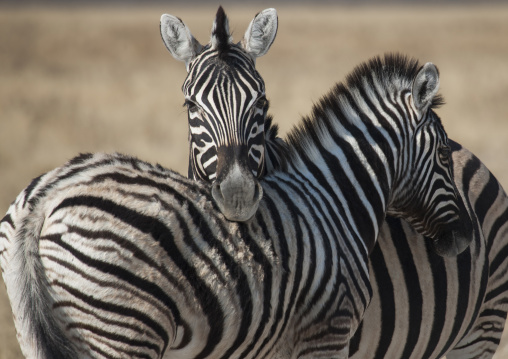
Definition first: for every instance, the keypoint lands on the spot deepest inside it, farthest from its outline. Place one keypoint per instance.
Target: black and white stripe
(109, 256)
(227, 108)
(397, 325)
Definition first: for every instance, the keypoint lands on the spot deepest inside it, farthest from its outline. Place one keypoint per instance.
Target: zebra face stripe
(227, 107)
(225, 96)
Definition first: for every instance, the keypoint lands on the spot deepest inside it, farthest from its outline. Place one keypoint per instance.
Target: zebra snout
(457, 235)
(453, 241)
(237, 196)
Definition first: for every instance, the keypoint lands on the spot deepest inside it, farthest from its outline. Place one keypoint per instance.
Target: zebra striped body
(109, 256)
(140, 262)
(425, 306)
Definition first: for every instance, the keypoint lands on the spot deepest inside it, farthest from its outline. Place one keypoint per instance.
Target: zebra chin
(238, 195)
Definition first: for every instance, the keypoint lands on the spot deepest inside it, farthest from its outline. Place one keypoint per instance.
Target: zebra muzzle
(456, 237)
(451, 243)
(238, 194)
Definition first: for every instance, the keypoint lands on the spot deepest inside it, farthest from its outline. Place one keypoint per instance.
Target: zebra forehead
(235, 59)
(218, 76)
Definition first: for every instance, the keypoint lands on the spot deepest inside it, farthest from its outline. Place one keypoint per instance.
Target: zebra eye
(191, 106)
(444, 152)
(261, 102)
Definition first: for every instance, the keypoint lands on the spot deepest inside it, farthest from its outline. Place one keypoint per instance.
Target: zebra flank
(225, 98)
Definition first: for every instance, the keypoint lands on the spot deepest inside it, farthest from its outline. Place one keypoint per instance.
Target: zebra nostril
(217, 191)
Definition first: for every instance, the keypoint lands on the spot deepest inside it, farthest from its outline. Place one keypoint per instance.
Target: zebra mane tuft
(391, 68)
(221, 38)
(388, 71)
(277, 150)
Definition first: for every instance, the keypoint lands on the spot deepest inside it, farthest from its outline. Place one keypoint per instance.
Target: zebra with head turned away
(226, 102)
(454, 306)
(109, 256)
(426, 306)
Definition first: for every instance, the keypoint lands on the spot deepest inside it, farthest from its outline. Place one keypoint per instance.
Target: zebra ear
(178, 39)
(425, 86)
(260, 34)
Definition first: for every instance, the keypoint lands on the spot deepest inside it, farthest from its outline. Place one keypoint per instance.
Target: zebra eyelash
(261, 102)
(444, 152)
(191, 106)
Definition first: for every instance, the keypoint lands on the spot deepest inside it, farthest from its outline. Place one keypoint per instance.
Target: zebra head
(227, 107)
(431, 202)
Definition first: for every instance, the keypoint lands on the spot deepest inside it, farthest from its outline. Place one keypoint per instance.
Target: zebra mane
(277, 150)
(392, 71)
(221, 39)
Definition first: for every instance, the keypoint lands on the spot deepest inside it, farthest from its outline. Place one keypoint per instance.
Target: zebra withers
(108, 256)
(226, 102)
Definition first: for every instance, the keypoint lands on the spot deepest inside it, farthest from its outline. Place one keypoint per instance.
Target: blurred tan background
(85, 79)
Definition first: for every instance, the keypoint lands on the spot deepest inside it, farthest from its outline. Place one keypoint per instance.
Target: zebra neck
(353, 170)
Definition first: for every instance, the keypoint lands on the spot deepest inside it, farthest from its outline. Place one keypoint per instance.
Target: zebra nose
(452, 242)
(238, 195)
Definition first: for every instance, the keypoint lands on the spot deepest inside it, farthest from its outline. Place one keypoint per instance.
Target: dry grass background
(88, 79)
